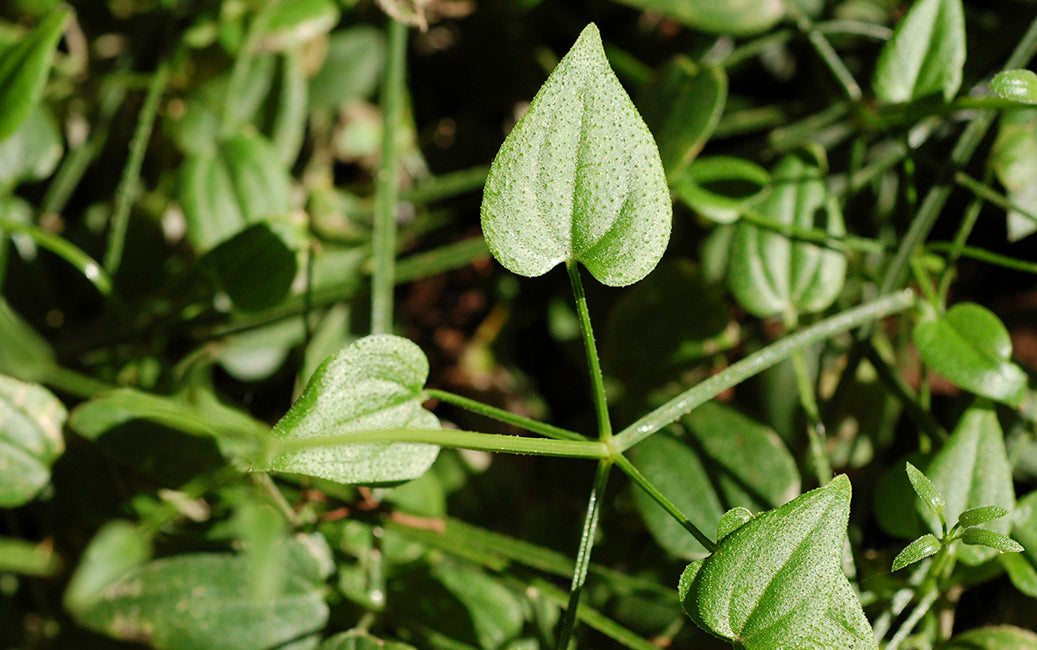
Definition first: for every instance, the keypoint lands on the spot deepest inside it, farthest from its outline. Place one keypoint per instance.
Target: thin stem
(815, 235)
(438, 260)
(583, 555)
(595, 619)
(64, 249)
(263, 480)
(759, 361)
(987, 193)
(642, 482)
(383, 239)
(501, 415)
(831, 59)
(131, 172)
(493, 442)
(911, 621)
(968, 221)
(815, 428)
(597, 381)
(983, 255)
(922, 418)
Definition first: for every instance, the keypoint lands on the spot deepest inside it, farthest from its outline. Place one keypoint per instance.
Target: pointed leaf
(375, 383)
(1014, 159)
(997, 637)
(926, 54)
(742, 18)
(990, 539)
(925, 490)
(732, 520)
(972, 470)
(923, 547)
(970, 346)
(980, 515)
(1016, 85)
(579, 178)
(24, 68)
(771, 274)
(31, 419)
(777, 581)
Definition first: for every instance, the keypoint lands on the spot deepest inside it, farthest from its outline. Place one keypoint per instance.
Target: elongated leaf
(202, 601)
(970, 346)
(738, 18)
(32, 151)
(1014, 159)
(727, 460)
(24, 68)
(923, 547)
(770, 273)
(242, 183)
(291, 23)
(579, 178)
(971, 470)
(255, 267)
(925, 55)
(118, 547)
(683, 108)
(981, 537)
(981, 515)
(777, 581)
(31, 419)
(997, 637)
(706, 186)
(926, 491)
(375, 383)
(1017, 85)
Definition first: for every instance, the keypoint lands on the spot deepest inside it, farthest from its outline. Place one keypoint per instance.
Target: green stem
(439, 260)
(642, 482)
(989, 194)
(493, 442)
(922, 418)
(383, 239)
(75, 383)
(815, 428)
(595, 619)
(982, 255)
(968, 221)
(911, 621)
(758, 362)
(597, 380)
(544, 429)
(131, 172)
(64, 249)
(815, 235)
(583, 555)
(828, 54)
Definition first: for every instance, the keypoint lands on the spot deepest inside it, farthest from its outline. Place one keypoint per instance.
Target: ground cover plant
(288, 358)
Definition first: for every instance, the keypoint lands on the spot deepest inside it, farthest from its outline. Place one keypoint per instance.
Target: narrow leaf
(923, 547)
(925, 490)
(24, 68)
(31, 419)
(980, 515)
(579, 178)
(990, 539)
(926, 54)
(1016, 85)
(375, 383)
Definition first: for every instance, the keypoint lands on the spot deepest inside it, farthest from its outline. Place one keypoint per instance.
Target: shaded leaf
(31, 419)
(715, 186)
(997, 637)
(255, 267)
(895, 503)
(771, 274)
(26, 558)
(24, 68)
(23, 353)
(579, 178)
(970, 346)
(925, 490)
(926, 54)
(115, 549)
(741, 18)
(777, 581)
(1014, 159)
(357, 640)
(374, 383)
(291, 23)
(971, 470)
(923, 547)
(32, 152)
(981, 537)
(1017, 85)
(352, 67)
(981, 515)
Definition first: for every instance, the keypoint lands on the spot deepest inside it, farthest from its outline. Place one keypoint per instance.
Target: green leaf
(732, 520)
(777, 581)
(923, 547)
(682, 108)
(32, 152)
(242, 183)
(23, 353)
(352, 67)
(926, 54)
(255, 267)
(201, 601)
(31, 419)
(116, 548)
(983, 537)
(1021, 572)
(358, 640)
(375, 383)
(24, 68)
(1014, 159)
(727, 460)
(579, 178)
(971, 470)
(742, 18)
(970, 346)
(980, 515)
(26, 558)
(925, 490)
(719, 187)
(1016, 85)
(894, 501)
(998, 637)
(1024, 523)
(290, 23)
(770, 273)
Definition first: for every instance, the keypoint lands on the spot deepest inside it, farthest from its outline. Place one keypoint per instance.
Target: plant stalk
(544, 429)
(594, 366)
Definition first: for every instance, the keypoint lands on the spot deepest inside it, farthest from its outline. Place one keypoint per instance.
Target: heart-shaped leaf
(242, 183)
(926, 54)
(770, 273)
(971, 470)
(997, 637)
(24, 68)
(374, 383)
(1016, 85)
(1014, 159)
(31, 419)
(579, 178)
(726, 460)
(970, 346)
(741, 18)
(925, 546)
(777, 581)
(204, 600)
